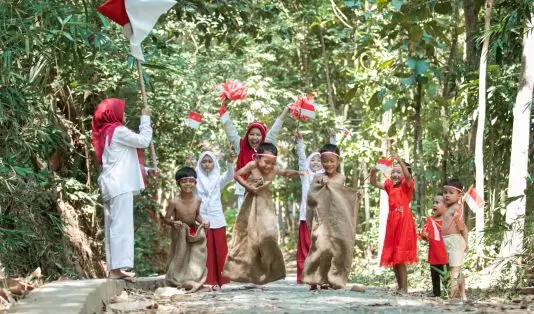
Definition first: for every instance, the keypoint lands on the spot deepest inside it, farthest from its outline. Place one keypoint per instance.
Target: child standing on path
(455, 235)
(400, 242)
(331, 217)
(245, 147)
(255, 256)
(432, 232)
(121, 178)
(210, 184)
(311, 165)
(187, 259)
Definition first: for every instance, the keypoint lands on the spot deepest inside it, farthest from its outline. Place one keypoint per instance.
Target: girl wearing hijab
(246, 147)
(312, 165)
(210, 182)
(118, 152)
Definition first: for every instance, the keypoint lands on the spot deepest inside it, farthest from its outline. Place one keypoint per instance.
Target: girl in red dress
(400, 242)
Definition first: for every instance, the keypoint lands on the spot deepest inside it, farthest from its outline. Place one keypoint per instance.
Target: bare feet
(119, 274)
(313, 287)
(324, 286)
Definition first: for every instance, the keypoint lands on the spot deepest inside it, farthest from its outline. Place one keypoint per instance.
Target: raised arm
(405, 171)
(290, 172)
(230, 129)
(374, 181)
(272, 135)
(301, 152)
(127, 137)
(228, 175)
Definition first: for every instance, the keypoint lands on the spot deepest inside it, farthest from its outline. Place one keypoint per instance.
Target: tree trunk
(330, 90)
(470, 33)
(479, 142)
(512, 244)
(384, 205)
(418, 149)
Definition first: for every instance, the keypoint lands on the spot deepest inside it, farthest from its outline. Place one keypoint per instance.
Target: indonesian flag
(307, 110)
(344, 130)
(473, 200)
(194, 120)
(384, 164)
(138, 17)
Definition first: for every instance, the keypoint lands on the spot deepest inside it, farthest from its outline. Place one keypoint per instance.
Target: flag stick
(298, 120)
(145, 103)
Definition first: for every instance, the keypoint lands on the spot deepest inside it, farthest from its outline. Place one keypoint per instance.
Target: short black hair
(267, 147)
(454, 182)
(185, 172)
(330, 148)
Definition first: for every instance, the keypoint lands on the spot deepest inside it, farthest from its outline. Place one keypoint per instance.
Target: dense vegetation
(402, 75)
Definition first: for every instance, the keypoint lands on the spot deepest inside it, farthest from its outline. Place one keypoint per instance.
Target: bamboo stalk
(145, 103)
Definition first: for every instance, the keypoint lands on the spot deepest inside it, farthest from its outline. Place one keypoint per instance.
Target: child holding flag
(432, 232)
(455, 234)
(400, 242)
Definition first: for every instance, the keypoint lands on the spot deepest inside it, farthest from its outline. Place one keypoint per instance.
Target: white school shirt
(209, 186)
(121, 172)
(233, 137)
(305, 181)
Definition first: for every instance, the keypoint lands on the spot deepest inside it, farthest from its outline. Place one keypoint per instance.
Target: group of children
(199, 251)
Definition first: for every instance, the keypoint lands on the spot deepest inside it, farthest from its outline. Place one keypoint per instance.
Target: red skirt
(400, 242)
(303, 246)
(217, 247)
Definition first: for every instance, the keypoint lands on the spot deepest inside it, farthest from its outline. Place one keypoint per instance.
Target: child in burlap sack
(331, 217)
(187, 259)
(255, 256)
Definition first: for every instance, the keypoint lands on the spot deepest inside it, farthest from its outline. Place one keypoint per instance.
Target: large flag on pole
(141, 15)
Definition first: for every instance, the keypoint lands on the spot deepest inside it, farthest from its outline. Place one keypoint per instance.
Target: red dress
(400, 242)
(437, 254)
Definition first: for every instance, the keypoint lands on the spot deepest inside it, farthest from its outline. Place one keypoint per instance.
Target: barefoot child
(245, 147)
(455, 235)
(209, 186)
(400, 242)
(311, 165)
(121, 178)
(331, 217)
(255, 256)
(432, 232)
(187, 259)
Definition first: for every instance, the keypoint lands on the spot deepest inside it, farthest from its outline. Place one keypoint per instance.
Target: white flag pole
(145, 103)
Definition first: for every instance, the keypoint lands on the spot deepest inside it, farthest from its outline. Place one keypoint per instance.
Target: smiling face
(330, 162)
(254, 137)
(187, 185)
(207, 163)
(438, 205)
(266, 164)
(315, 163)
(451, 195)
(396, 174)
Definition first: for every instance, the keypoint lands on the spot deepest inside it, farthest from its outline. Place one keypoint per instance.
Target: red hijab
(246, 152)
(108, 116)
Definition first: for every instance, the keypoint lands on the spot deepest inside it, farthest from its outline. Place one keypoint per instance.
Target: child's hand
(252, 189)
(226, 101)
(325, 180)
(231, 154)
(177, 224)
(154, 172)
(205, 223)
(146, 112)
(298, 136)
(424, 235)
(303, 173)
(395, 157)
(188, 158)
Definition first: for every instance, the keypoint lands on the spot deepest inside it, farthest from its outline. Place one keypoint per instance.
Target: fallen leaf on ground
(357, 288)
(18, 287)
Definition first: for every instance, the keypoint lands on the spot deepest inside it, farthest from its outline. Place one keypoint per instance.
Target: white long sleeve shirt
(121, 172)
(210, 192)
(234, 138)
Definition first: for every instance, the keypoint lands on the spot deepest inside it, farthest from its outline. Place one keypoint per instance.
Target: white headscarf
(207, 182)
(311, 174)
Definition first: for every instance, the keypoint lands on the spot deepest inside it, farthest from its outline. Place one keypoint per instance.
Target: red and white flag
(194, 120)
(384, 164)
(307, 110)
(473, 200)
(138, 17)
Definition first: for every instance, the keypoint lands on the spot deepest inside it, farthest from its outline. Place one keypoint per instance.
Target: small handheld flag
(194, 120)
(303, 108)
(473, 200)
(233, 90)
(384, 164)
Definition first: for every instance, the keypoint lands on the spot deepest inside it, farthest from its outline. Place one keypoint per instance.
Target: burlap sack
(255, 256)
(332, 219)
(186, 268)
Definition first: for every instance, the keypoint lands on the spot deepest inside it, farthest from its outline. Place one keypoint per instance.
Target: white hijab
(207, 182)
(311, 174)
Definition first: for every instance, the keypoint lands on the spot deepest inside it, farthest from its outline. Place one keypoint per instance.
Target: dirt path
(285, 296)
